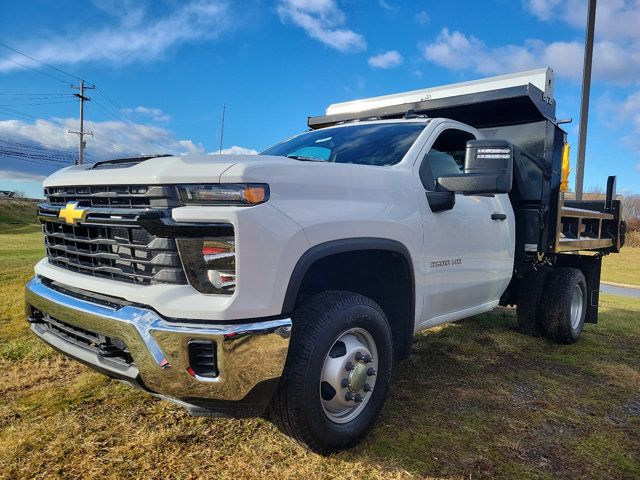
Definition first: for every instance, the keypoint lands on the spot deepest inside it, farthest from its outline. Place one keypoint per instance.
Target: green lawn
(476, 399)
(623, 267)
(15, 214)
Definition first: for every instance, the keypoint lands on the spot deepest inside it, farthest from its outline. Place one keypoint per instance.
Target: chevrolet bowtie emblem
(72, 214)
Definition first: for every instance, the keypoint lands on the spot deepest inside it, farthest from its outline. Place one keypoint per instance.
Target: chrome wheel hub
(357, 377)
(577, 301)
(348, 375)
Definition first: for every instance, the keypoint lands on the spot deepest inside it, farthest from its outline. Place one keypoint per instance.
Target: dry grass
(623, 267)
(633, 239)
(16, 213)
(475, 399)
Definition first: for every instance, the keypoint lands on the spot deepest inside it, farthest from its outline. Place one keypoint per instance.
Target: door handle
(498, 216)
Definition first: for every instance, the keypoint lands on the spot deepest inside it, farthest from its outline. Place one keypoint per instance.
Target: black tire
(556, 309)
(529, 301)
(296, 407)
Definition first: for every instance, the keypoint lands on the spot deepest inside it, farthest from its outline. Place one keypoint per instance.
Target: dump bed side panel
(537, 167)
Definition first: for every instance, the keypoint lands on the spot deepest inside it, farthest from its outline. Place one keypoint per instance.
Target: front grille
(113, 196)
(110, 348)
(126, 253)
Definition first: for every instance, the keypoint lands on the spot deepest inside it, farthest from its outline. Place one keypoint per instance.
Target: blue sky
(164, 69)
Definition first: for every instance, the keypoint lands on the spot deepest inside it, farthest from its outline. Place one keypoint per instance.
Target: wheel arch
(360, 250)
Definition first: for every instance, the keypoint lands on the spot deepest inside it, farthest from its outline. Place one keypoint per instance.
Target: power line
(120, 110)
(36, 95)
(38, 61)
(104, 139)
(38, 149)
(30, 104)
(35, 155)
(17, 113)
(35, 70)
(122, 119)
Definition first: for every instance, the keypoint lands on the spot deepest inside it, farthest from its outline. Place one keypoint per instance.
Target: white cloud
(457, 51)
(387, 6)
(616, 54)
(615, 19)
(629, 109)
(422, 18)
(25, 177)
(152, 113)
(543, 9)
(112, 139)
(138, 36)
(624, 117)
(389, 59)
(322, 20)
(236, 150)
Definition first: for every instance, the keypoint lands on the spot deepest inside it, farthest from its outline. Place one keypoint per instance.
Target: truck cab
(292, 282)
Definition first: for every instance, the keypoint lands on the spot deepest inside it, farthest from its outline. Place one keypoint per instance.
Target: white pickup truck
(292, 282)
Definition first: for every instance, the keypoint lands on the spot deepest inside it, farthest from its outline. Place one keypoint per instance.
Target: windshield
(378, 144)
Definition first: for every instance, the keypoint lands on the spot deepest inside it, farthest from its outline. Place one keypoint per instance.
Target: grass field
(623, 267)
(476, 399)
(16, 214)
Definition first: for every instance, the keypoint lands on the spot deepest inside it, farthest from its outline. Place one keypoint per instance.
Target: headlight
(210, 263)
(224, 194)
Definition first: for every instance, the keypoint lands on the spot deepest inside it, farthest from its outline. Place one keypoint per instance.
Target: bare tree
(631, 207)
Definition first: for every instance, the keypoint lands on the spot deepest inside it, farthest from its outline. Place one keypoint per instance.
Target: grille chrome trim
(113, 196)
(110, 243)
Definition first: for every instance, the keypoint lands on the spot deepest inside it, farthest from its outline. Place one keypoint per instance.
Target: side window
(446, 156)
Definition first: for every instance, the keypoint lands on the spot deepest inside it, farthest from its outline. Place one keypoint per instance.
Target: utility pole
(81, 133)
(584, 103)
(224, 107)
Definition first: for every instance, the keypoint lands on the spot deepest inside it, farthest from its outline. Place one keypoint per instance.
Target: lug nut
(349, 366)
(344, 383)
(360, 357)
(371, 371)
(357, 398)
(367, 387)
(368, 358)
(348, 396)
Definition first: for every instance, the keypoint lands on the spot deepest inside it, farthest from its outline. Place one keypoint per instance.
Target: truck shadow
(478, 398)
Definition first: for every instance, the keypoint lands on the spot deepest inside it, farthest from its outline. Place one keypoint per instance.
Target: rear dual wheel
(553, 303)
(565, 305)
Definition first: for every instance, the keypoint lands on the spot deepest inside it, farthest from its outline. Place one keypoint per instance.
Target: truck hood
(154, 171)
(286, 177)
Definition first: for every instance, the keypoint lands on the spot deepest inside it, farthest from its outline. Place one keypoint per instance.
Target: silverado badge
(71, 213)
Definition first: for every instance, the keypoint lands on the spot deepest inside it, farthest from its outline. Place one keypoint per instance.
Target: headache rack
(518, 108)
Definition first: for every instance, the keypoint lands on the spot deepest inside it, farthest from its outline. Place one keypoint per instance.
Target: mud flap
(591, 267)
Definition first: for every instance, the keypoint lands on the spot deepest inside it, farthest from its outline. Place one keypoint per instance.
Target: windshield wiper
(305, 159)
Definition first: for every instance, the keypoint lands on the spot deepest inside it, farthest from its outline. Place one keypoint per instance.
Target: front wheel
(337, 372)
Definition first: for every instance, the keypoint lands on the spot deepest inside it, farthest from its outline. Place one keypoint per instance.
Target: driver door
(468, 255)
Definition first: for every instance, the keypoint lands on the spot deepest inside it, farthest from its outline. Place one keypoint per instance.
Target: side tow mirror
(488, 168)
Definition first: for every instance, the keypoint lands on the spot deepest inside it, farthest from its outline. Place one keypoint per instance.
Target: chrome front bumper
(247, 353)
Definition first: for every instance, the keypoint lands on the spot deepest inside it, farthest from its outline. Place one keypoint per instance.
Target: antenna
(224, 107)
